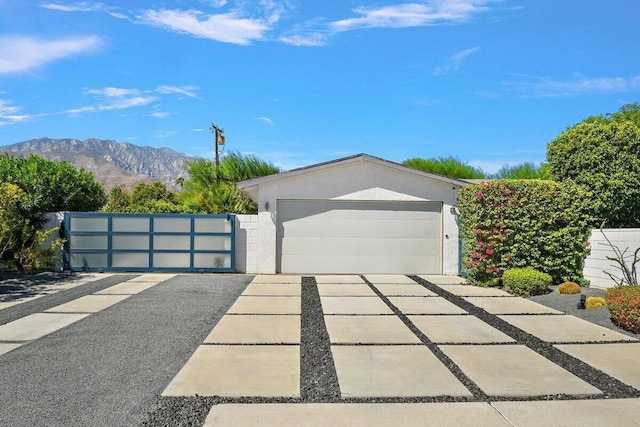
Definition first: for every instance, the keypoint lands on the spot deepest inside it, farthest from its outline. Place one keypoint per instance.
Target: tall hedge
(516, 224)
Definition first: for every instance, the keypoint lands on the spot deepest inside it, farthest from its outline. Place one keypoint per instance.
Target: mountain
(113, 163)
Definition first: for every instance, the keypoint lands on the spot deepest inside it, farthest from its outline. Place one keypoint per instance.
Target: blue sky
(303, 81)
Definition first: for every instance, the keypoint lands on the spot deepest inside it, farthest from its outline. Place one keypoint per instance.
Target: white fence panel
(597, 263)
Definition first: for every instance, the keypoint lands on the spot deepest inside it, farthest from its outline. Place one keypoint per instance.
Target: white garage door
(329, 236)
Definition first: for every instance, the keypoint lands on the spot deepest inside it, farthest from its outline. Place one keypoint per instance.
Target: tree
(144, 198)
(523, 171)
(447, 166)
(603, 155)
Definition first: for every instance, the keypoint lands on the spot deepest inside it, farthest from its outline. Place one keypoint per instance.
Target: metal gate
(149, 242)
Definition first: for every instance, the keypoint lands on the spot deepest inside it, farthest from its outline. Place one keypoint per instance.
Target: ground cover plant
(525, 282)
(569, 288)
(509, 224)
(623, 303)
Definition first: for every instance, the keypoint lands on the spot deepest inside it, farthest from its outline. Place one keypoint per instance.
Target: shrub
(569, 288)
(624, 304)
(526, 281)
(594, 303)
(510, 224)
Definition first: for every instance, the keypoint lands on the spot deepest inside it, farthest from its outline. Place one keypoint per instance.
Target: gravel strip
(611, 387)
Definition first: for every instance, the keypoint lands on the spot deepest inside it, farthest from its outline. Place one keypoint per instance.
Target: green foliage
(623, 303)
(33, 257)
(447, 166)
(515, 224)
(594, 303)
(601, 154)
(144, 198)
(523, 171)
(204, 193)
(14, 227)
(525, 282)
(627, 266)
(569, 288)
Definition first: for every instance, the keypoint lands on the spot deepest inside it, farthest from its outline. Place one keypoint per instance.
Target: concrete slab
(277, 278)
(239, 370)
(153, 277)
(273, 289)
(571, 413)
(564, 329)
(354, 305)
(514, 370)
(402, 371)
(404, 290)
(88, 304)
(377, 279)
(515, 305)
(618, 360)
(37, 325)
(447, 414)
(474, 291)
(266, 305)
(127, 288)
(256, 329)
(342, 278)
(7, 304)
(458, 329)
(7, 347)
(345, 290)
(425, 305)
(438, 279)
(369, 330)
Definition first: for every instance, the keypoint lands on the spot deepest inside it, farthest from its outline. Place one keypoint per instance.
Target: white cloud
(548, 87)
(9, 114)
(113, 92)
(76, 7)
(164, 133)
(188, 91)
(22, 54)
(431, 12)
(455, 61)
(227, 27)
(267, 120)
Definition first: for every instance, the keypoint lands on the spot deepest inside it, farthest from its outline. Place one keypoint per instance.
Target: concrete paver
(7, 347)
(474, 291)
(88, 304)
(256, 329)
(354, 305)
(277, 278)
(342, 290)
(450, 414)
(458, 329)
(564, 329)
(404, 290)
(153, 277)
(369, 330)
(425, 305)
(620, 360)
(343, 278)
(571, 413)
(515, 305)
(378, 279)
(442, 280)
(266, 305)
(378, 371)
(127, 288)
(239, 370)
(37, 325)
(273, 289)
(514, 370)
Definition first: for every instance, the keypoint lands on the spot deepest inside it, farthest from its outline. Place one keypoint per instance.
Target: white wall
(597, 262)
(246, 243)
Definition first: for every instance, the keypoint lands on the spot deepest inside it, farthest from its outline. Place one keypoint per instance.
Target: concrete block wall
(246, 243)
(597, 262)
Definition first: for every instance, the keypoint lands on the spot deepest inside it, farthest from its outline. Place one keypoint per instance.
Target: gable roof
(251, 185)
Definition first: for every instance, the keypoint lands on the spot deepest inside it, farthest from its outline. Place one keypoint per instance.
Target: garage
(340, 237)
(355, 215)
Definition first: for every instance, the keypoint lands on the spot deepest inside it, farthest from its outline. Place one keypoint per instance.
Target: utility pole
(219, 140)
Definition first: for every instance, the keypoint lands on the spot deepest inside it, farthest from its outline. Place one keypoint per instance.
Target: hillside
(113, 163)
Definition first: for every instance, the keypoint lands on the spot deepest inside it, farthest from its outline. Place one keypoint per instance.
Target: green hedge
(525, 282)
(510, 224)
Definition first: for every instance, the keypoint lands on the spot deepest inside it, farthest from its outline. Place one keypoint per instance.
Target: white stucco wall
(246, 244)
(355, 181)
(597, 263)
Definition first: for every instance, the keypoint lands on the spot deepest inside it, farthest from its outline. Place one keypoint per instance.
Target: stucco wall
(356, 181)
(597, 262)
(246, 243)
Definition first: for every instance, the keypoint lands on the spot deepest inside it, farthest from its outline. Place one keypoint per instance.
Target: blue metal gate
(149, 242)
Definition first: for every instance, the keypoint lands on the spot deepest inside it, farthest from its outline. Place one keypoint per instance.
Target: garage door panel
(361, 228)
(329, 236)
(362, 246)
